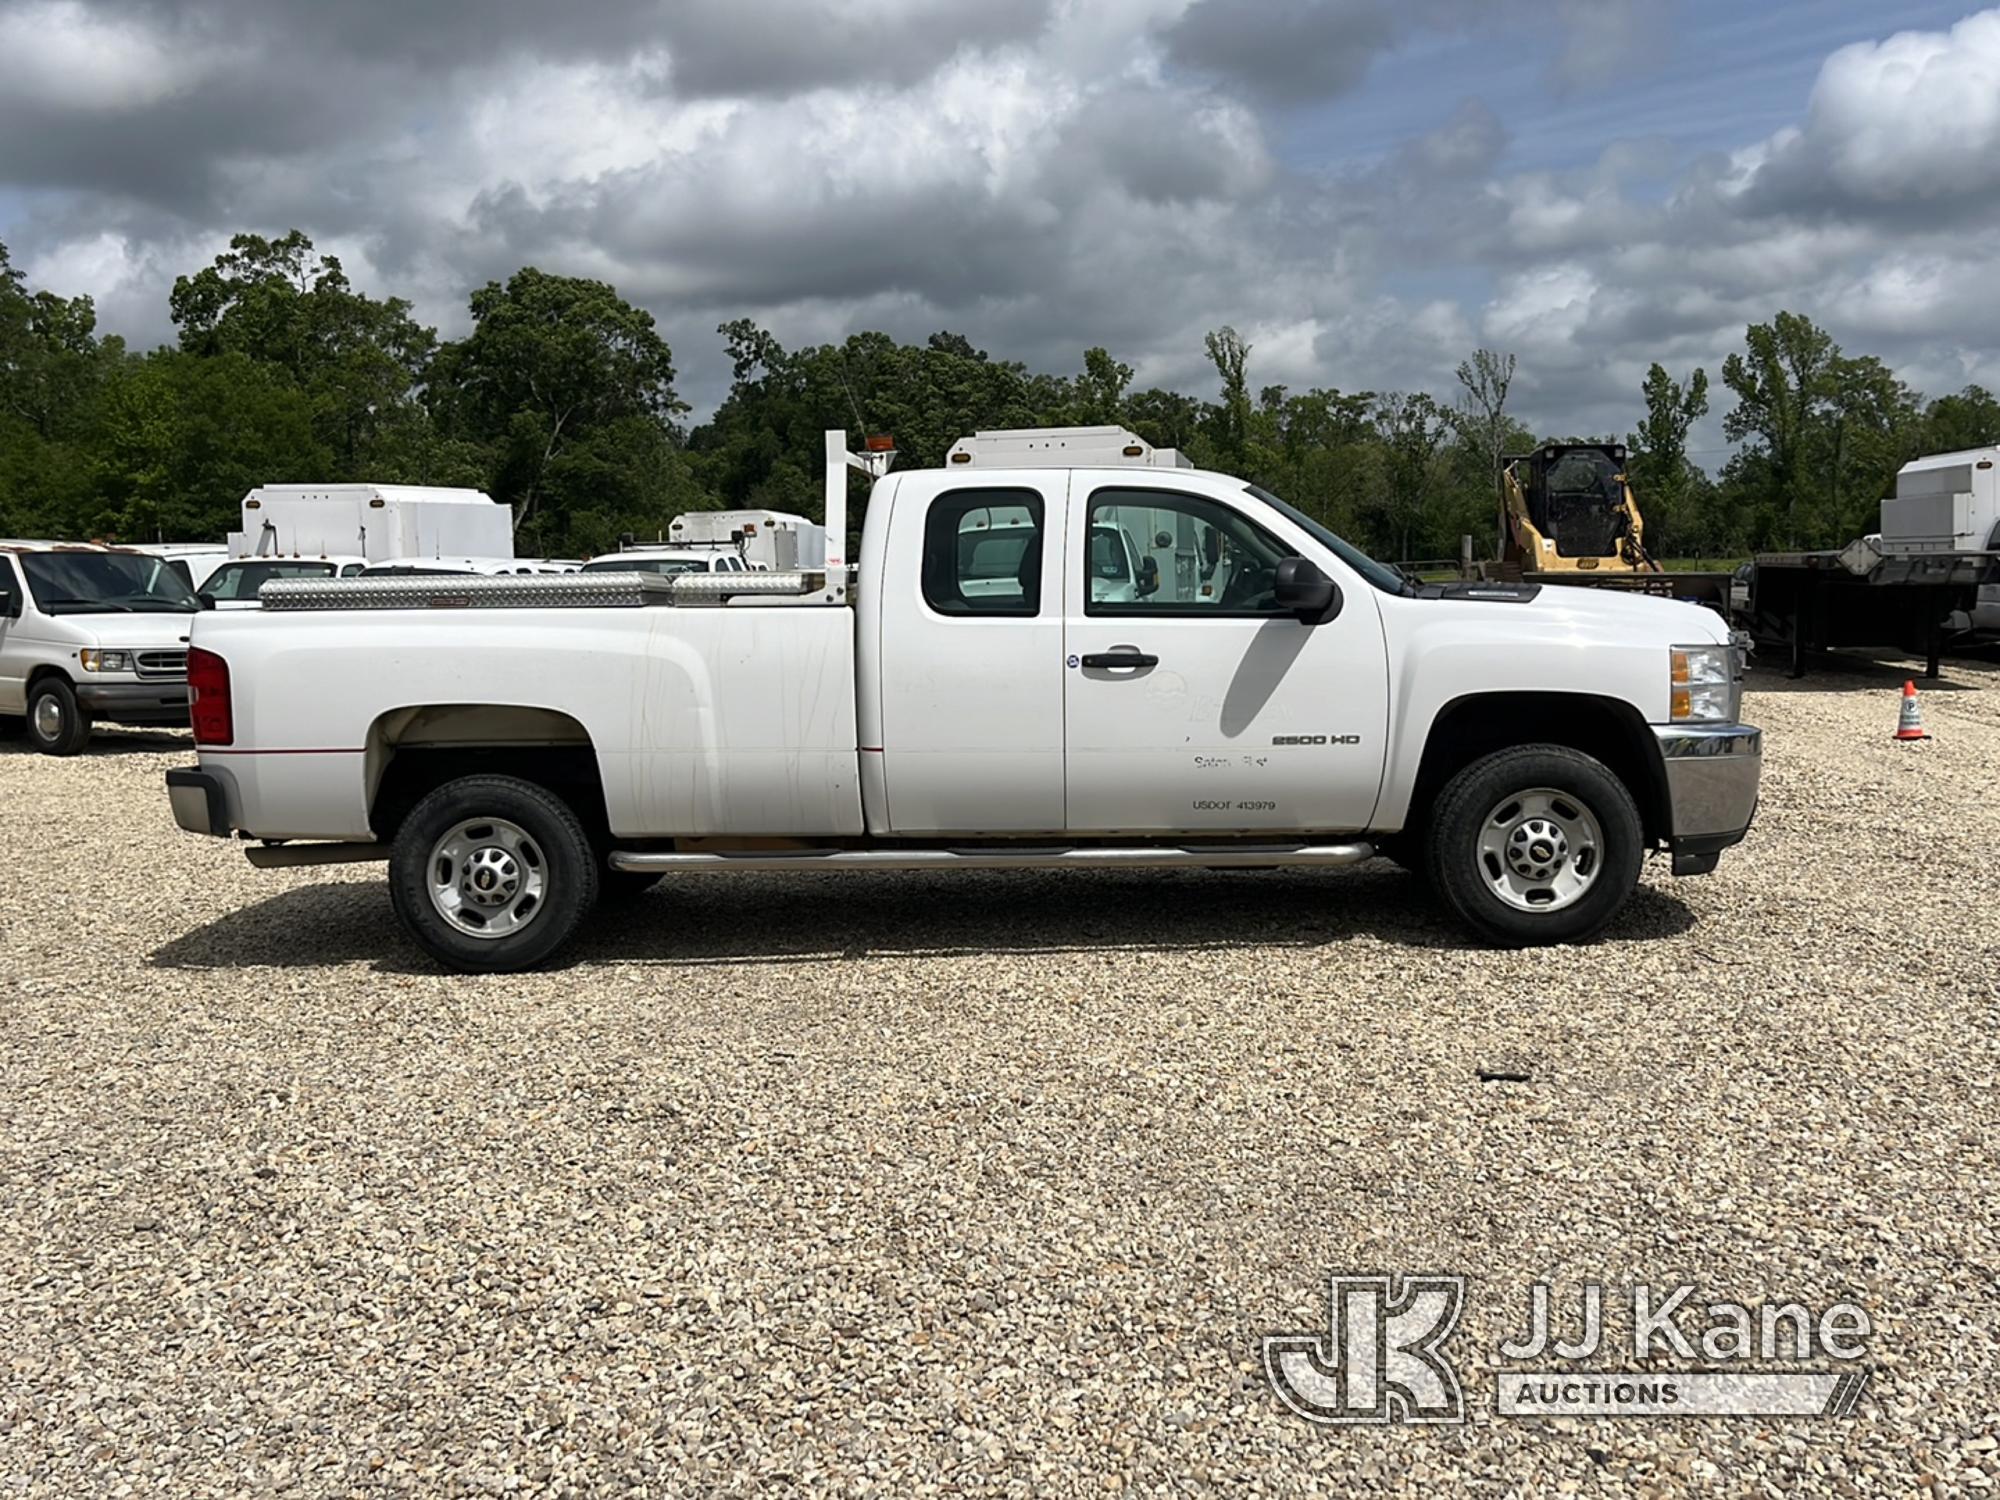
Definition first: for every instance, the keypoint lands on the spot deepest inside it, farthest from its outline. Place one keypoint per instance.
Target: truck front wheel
(1537, 844)
(57, 723)
(491, 874)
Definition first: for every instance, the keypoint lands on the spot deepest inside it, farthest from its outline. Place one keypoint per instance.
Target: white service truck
(1950, 502)
(371, 522)
(766, 540)
(972, 697)
(1930, 573)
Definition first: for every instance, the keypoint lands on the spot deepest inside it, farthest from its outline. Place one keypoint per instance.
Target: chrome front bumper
(1712, 772)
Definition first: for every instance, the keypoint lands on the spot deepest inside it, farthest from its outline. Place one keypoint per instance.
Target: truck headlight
(1705, 685)
(104, 661)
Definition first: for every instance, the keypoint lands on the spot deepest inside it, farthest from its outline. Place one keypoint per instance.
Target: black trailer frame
(1802, 602)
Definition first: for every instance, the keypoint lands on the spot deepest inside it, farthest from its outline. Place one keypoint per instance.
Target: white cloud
(61, 53)
(1541, 312)
(1915, 116)
(1045, 177)
(1910, 124)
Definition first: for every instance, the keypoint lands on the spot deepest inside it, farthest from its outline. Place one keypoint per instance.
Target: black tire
(623, 887)
(568, 867)
(53, 699)
(1458, 818)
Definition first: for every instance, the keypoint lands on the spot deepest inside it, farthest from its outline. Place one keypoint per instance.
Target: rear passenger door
(971, 690)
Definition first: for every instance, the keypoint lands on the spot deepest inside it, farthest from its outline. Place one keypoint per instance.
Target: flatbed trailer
(1865, 594)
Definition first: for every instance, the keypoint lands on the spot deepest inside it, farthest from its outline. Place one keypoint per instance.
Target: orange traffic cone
(1910, 724)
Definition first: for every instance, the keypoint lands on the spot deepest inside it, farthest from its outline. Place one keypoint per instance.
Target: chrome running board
(1234, 856)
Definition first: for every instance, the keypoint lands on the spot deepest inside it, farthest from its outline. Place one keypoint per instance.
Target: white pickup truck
(1143, 665)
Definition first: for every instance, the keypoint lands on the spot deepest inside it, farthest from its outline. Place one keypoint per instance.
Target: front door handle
(1121, 658)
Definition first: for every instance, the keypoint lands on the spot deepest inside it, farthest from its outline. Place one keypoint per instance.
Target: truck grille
(161, 664)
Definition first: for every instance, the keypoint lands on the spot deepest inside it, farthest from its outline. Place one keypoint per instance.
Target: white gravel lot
(987, 1183)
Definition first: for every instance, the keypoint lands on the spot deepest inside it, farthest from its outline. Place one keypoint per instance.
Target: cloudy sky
(1368, 189)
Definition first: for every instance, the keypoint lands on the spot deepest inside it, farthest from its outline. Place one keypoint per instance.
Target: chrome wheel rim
(1540, 850)
(488, 878)
(49, 716)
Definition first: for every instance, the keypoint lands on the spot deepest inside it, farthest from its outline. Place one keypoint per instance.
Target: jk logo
(1379, 1359)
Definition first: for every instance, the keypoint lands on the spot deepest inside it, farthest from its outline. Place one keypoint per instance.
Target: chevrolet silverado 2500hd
(1062, 648)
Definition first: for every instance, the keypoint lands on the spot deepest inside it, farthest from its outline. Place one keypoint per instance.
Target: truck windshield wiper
(91, 604)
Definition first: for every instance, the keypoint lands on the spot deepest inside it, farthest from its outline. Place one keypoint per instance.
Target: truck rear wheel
(1537, 844)
(491, 874)
(57, 723)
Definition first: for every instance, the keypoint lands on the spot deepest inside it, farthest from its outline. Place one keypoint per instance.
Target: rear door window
(983, 552)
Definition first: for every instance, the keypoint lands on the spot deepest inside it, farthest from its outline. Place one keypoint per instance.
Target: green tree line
(560, 402)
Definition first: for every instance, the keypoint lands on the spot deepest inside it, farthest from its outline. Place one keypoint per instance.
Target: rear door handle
(1126, 658)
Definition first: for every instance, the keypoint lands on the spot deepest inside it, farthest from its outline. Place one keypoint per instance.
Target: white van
(194, 561)
(89, 633)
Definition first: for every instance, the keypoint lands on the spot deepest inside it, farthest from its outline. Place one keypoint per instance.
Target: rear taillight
(208, 698)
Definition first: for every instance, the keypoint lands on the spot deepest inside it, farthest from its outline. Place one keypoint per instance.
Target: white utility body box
(1061, 448)
(1946, 502)
(380, 522)
(773, 539)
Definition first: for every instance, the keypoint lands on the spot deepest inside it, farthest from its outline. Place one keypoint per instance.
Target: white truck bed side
(703, 721)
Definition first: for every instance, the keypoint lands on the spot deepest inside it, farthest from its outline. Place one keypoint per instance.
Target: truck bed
(702, 721)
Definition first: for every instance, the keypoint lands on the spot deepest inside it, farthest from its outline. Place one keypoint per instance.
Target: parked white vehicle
(667, 562)
(1950, 502)
(374, 522)
(234, 584)
(432, 567)
(1275, 698)
(90, 633)
(766, 540)
(194, 561)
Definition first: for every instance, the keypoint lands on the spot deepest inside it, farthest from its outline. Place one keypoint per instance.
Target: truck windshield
(81, 583)
(241, 580)
(1384, 577)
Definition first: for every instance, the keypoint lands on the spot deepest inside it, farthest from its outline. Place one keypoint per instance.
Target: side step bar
(294, 856)
(1059, 858)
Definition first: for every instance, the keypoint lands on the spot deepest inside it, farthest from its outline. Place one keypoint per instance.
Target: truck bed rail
(632, 590)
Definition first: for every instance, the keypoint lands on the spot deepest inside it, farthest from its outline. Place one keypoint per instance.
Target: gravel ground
(981, 1183)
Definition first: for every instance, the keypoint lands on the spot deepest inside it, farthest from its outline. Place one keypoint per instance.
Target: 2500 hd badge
(1315, 739)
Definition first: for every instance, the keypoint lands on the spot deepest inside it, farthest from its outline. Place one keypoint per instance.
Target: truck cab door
(966, 663)
(1192, 701)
